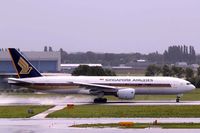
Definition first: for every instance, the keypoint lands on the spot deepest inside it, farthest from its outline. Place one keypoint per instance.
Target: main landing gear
(100, 100)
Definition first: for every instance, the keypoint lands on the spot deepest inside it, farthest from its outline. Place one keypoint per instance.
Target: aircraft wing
(94, 85)
(98, 87)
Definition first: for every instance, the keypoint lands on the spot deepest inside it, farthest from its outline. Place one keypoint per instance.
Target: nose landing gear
(178, 98)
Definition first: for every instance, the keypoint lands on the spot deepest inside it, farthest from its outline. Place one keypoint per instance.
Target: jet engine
(126, 94)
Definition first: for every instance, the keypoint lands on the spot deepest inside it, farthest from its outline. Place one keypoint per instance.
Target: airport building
(43, 61)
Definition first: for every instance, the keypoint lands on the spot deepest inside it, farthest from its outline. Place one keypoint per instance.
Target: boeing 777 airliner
(123, 87)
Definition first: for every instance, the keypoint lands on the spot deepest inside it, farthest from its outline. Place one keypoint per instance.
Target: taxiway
(63, 125)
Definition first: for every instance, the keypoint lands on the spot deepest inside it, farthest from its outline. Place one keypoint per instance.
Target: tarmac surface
(49, 111)
(80, 100)
(40, 124)
(63, 125)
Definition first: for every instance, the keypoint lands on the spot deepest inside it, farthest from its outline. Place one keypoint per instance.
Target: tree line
(180, 54)
(48, 49)
(176, 53)
(92, 71)
(108, 59)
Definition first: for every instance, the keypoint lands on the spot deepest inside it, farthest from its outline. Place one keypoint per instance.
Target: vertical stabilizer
(23, 67)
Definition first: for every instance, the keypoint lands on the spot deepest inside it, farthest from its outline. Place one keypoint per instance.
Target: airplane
(123, 87)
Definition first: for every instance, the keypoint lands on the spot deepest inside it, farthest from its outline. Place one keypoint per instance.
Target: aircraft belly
(157, 91)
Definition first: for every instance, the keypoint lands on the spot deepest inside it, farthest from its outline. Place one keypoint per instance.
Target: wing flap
(94, 85)
(97, 86)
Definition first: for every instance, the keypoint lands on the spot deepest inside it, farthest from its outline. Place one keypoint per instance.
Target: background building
(43, 61)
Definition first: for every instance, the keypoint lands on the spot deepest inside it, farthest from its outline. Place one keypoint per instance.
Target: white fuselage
(142, 85)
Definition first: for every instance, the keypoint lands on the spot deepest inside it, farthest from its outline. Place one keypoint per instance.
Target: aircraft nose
(193, 87)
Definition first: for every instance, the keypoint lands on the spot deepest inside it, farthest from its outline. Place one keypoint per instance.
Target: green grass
(143, 125)
(21, 111)
(180, 125)
(136, 125)
(96, 111)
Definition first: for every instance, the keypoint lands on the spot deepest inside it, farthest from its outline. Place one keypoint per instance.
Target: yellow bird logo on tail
(24, 66)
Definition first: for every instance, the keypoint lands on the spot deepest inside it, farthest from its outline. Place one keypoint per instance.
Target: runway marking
(49, 111)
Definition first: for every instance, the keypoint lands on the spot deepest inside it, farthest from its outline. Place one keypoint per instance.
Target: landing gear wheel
(100, 100)
(178, 99)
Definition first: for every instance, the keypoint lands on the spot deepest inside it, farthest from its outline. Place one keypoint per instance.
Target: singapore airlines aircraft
(123, 87)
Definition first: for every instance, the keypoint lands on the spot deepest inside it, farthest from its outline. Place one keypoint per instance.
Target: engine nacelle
(126, 94)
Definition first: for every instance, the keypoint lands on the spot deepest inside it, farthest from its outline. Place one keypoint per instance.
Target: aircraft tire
(177, 100)
(100, 100)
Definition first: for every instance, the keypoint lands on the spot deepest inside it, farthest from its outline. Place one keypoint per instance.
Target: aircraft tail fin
(23, 67)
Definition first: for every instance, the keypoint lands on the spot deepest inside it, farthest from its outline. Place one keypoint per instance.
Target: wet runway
(6, 99)
(38, 125)
(80, 100)
(62, 125)
(36, 129)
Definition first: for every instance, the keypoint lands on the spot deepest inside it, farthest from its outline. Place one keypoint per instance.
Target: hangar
(43, 61)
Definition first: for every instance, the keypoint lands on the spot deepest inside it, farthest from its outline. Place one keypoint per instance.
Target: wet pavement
(79, 100)
(49, 111)
(40, 124)
(62, 126)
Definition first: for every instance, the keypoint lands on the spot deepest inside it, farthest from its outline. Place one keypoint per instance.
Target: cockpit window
(188, 83)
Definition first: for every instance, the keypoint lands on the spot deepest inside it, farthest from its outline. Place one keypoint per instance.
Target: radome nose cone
(193, 87)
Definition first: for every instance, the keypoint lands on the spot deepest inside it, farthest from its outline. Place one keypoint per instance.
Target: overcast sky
(118, 26)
